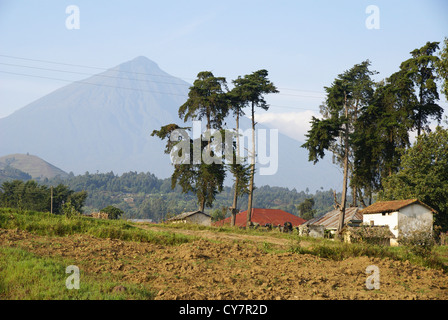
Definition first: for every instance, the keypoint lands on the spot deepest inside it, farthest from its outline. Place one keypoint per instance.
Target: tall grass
(47, 224)
(25, 276)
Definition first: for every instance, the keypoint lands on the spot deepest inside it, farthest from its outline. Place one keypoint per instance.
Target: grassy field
(44, 223)
(23, 274)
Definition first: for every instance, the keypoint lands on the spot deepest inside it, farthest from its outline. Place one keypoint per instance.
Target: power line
(92, 75)
(90, 83)
(133, 79)
(82, 66)
(132, 72)
(134, 89)
(126, 88)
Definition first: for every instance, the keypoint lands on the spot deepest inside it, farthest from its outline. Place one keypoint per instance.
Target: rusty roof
(186, 214)
(263, 216)
(391, 206)
(330, 220)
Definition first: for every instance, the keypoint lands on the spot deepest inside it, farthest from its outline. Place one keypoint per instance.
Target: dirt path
(229, 269)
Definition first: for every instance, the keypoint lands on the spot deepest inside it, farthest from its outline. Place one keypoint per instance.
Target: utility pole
(51, 197)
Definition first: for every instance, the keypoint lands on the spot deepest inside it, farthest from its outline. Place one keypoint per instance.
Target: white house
(402, 216)
(195, 217)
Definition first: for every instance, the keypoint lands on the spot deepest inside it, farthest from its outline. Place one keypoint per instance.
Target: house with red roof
(263, 216)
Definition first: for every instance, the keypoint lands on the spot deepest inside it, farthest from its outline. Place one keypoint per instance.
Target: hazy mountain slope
(106, 125)
(33, 165)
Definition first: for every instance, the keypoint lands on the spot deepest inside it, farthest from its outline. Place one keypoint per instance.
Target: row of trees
(131, 182)
(210, 99)
(366, 125)
(30, 195)
(143, 195)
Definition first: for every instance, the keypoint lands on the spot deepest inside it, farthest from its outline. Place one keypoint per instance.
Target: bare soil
(233, 266)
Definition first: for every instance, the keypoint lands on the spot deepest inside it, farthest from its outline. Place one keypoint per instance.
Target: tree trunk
(202, 205)
(209, 133)
(344, 185)
(235, 195)
(361, 199)
(419, 114)
(344, 196)
(354, 196)
(233, 213)
(252, 171)
(235, 203)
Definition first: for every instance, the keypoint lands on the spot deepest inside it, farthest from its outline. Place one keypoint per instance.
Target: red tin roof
(263, 216)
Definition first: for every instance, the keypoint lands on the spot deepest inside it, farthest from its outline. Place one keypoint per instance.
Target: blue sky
(303, 44)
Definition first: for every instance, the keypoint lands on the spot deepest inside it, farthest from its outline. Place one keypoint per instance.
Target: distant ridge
(33, 165)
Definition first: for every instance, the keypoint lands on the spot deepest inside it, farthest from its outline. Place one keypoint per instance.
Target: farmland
(119, 260)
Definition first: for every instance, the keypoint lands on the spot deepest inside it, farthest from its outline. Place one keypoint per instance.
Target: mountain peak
(142, 59)
(139, 64)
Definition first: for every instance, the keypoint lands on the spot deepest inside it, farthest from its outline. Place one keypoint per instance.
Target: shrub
(113, 212)
(419, 242)
(69, 210)
(380, 235)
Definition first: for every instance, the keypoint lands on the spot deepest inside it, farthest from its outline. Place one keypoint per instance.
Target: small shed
(330, 221)
(403, 217)
(194, 217)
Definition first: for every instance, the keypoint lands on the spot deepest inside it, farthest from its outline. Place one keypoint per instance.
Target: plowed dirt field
(235, 266)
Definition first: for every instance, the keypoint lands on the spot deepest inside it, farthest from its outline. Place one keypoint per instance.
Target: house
(330, 221)
(261, 216)
(402, 216)
(194, 217)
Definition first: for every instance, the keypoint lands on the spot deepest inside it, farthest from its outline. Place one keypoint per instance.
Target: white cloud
(293, 124)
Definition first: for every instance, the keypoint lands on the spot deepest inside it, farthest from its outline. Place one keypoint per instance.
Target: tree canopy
(30, 195)
(423, 175)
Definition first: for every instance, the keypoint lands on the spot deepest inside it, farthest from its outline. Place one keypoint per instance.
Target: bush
(69, 210)
(113, 212)
(375, 235)
(419, 242)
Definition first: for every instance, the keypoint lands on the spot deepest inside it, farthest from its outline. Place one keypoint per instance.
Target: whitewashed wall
(414, 217)
(383, 219)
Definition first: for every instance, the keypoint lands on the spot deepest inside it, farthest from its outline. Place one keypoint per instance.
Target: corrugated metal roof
(391, 206)
(330, 220)
(186, 214)
(263, 216)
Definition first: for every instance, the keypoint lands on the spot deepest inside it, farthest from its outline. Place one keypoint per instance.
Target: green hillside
(32, 165)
